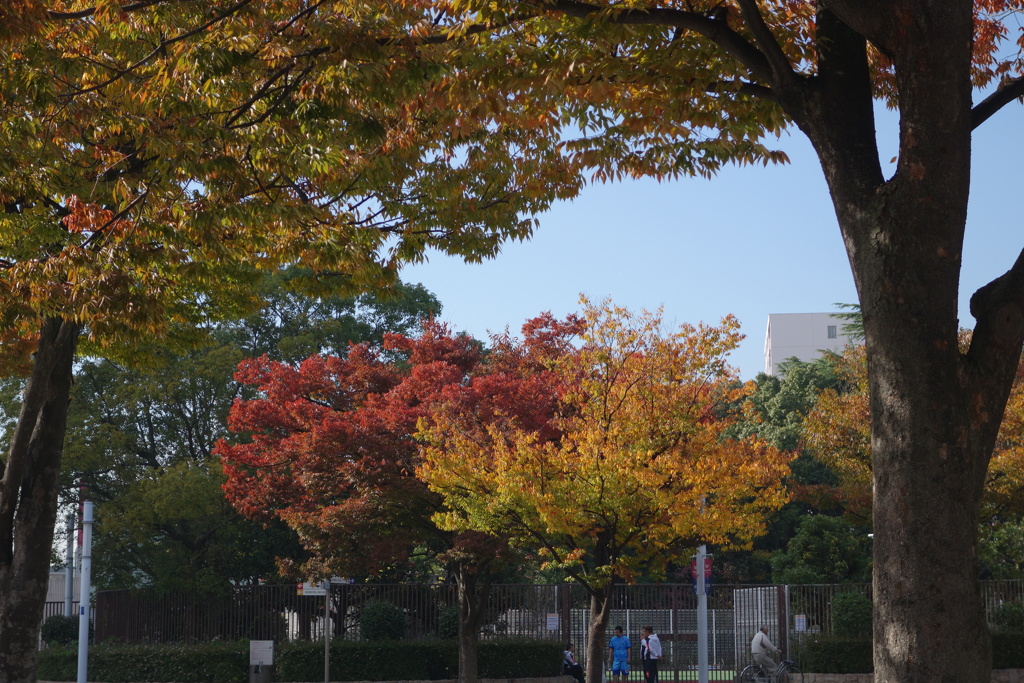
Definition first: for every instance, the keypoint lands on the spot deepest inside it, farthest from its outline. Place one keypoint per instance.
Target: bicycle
(787, 672)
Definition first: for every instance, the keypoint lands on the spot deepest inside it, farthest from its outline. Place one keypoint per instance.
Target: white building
(801, 335)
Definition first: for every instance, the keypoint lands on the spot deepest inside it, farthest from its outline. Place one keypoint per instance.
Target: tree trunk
(473, 591)
(597, 628)
(935, 412)
(28, 500)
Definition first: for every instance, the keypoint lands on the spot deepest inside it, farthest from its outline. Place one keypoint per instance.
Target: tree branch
(716, 30)
(998, 309)
(1004, 94)
(159, 49)
(869, 18)
(770, 48)
(85, 13)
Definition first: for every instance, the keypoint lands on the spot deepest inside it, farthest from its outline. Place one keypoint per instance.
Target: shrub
(448, 622)
(60, 630)
(1008, 650)
(382, 620)
(416, 660)
(1009, 617)
(513, 658)
(832, 655)
(121, 662)
(301, 661)
(851, 616)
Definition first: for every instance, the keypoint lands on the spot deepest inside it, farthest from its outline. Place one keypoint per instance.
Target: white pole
(702, 618)
(69, 570)
(714, 636)
(83, 599)
(327, 632)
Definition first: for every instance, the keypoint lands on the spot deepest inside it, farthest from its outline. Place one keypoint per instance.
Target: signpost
(700, 568)
(314, 589)
(84, 593)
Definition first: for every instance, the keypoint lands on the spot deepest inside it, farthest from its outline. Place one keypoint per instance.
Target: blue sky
(750, 242)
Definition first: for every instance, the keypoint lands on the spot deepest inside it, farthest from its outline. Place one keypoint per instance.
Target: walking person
(650, 654)
(762, 648)
(618, 656)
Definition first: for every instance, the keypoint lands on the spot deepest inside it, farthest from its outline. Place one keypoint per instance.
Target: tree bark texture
(473, 592)
(935, 411)
(28, 499)
(600, 612)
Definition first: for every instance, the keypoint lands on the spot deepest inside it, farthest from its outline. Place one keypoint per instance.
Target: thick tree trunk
(473, 592)
(935, 412)
(600, 611)
(28, 500)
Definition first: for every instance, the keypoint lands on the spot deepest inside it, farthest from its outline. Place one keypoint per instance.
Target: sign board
(800, 623)
(707, 575)
(552, 621)
(261, 652)
(309, 588)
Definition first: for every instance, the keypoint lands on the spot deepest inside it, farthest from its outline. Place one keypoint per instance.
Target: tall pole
(327, 631)
(702, 618)
(69, 570)
(86, 589)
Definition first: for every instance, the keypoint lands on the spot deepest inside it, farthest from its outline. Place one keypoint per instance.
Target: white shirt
(650, 647)
(760, 645)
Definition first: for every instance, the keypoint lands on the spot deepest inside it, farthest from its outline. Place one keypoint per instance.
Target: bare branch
(1004, 94)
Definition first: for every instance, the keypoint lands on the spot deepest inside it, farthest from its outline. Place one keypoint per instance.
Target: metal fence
(560, 612)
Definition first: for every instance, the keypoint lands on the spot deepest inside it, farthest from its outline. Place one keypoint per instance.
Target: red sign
(707, 568)
(707, 575)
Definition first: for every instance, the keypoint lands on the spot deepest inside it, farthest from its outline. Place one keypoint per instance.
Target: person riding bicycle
(761, 648)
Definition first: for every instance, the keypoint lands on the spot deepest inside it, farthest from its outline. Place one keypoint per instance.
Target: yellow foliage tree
(838, 433)
(636, 471)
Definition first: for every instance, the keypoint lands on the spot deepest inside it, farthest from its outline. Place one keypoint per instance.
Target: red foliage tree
(329, 448)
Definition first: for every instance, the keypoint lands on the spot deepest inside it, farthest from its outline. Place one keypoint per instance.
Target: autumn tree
(837, 432)
(454, 118)
(665, 88)
(140, 435)
(634, 471)
(328, 446)
(158, 155)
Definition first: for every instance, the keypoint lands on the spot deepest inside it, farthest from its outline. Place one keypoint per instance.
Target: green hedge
(848, 655)
(302, 661)
(1008, 650)
(830, 655)
(124, 663)
(411, 660)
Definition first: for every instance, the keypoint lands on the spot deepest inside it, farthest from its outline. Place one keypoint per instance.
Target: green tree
(775, 411)
(777, 408)
(158, 155)
(824, 550)
(140, 438)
